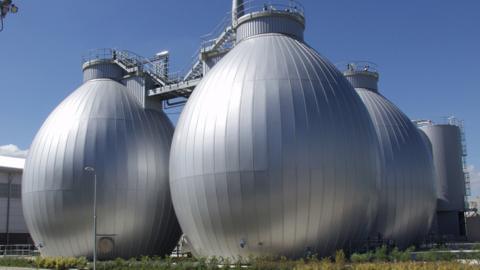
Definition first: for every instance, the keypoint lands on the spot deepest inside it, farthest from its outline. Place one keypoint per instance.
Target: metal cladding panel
(283, 24)
(102, 70)
(17, 222)
(363, 80)
(210, 62)
(101, 125)
(136, 87)
(274, 151)
(407, 197)
(447, 156)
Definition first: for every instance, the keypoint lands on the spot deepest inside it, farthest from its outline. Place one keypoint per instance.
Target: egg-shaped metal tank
(101, 125)
(407, 196)
(274, 152)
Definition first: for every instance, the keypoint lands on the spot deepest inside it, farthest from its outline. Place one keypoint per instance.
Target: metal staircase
(131, 62)
(219, 41)
(460, 124)
(170, 85)
(167, 86)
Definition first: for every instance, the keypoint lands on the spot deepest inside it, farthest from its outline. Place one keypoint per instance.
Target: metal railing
(158, 69)
(221, 30)
(98, 54)
(19, 250)
(357, 66)
(221, 39)
(252, 6)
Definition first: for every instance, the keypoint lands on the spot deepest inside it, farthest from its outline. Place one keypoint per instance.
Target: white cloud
(12, 150)
(474, 180)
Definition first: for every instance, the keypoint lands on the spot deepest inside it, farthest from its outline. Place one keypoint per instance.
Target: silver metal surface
(407, 197)
(101, 125)
(270, 21)
(447, 156)
(102, 68)
(363, 78)
(92, 170)
(12, 223)
(274, 154)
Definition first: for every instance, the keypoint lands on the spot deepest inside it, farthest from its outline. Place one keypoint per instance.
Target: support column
(7, 225)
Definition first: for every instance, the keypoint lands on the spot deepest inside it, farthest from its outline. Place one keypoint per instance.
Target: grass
(379, 259)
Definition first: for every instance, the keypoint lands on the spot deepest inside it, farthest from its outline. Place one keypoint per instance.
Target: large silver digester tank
(407, 196)
(104, 126)
(447, 155)
(274, 152)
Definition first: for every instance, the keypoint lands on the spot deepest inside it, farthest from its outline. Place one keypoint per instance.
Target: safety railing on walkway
(18, 250)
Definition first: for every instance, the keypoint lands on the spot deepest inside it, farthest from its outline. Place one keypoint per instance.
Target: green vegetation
(14, 261)
(382, 259)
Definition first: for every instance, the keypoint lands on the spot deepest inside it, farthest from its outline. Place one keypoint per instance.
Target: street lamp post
(91, 169)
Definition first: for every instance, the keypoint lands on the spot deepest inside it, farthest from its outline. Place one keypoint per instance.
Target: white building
(13, 229)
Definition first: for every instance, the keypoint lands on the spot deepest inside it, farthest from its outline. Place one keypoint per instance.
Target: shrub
(397, 255)
(427, 256)
(16, 262)
(380, 254)
(340, 258)
(361, 257)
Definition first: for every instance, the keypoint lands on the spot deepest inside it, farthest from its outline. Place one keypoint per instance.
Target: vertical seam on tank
(256, 231)
(317, 68)
(147, 119)
(57, 187)
(188, 126)
(282, 59)
(289, 43)
(391, 213)
(322, 67)
(61, 190)
(273, 170)
(160, 128)
(204, 241)
(82, 103)
(205, 182)
(373, 111)
(306, 58)
(241, 86)
(130, 190)
(351, 103)
(407, 189)
(400, 177)
(121, 227)
(218, 244)
(161, 214)
(309, 57)
(225, 242)
(157, 130)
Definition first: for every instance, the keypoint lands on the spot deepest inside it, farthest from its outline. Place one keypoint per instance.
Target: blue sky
(428, 51)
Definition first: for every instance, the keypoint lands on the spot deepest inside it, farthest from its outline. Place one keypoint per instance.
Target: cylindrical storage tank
(407, 196)
(102, 126)
(447, 155)
(274, 154)
(102, 68)
(287, 23)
